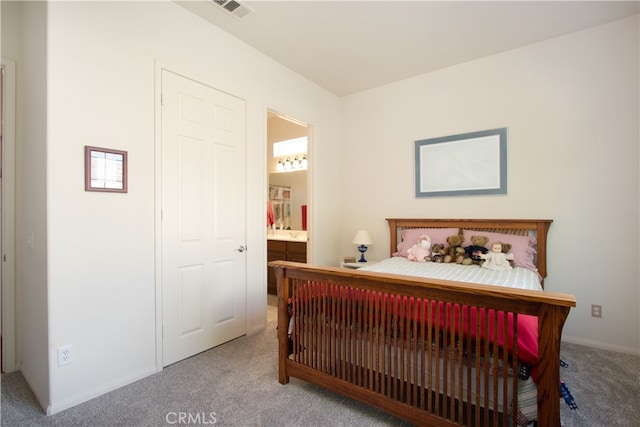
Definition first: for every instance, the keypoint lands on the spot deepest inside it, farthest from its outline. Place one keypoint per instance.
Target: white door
(203, 217)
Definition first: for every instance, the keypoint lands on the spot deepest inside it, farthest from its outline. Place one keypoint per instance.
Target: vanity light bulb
(287, 164)
(296, 163)
(303, 162)
(280, 165)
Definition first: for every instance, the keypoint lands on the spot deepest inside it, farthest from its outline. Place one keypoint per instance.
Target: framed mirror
(462, 165)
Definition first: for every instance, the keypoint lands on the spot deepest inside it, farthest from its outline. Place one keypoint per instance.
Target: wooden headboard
(520, 227)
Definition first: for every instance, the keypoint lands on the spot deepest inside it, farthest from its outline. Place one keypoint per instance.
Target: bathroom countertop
(287, 235)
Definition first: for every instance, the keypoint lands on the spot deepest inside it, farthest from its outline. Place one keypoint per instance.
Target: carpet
(236, 384)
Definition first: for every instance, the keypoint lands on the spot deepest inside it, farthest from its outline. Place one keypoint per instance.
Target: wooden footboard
(433, 352)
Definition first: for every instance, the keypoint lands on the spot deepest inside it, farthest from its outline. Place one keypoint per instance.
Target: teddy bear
(506, 249)
(438, 252)
(472, 253)
(455, 249)
(421, 251)
(499, 257)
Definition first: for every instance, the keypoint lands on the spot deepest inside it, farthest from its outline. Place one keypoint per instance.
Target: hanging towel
(270, 218)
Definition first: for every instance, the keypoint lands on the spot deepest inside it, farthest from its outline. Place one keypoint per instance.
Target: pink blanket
(442, 316)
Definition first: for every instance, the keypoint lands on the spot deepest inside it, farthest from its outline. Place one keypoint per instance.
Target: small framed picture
(105, 170)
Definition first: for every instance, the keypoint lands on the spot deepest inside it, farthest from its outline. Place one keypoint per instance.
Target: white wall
(571, 108)
(102, 61)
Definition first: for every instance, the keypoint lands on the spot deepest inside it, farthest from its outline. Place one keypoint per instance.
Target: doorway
(7, 214)
(288, 204)
(288, 166)
(1, 212)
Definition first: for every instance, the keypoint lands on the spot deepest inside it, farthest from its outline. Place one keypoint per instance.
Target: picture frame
(105, 170)
(467, 164)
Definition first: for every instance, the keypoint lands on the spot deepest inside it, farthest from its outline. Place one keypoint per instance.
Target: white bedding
(518, 278)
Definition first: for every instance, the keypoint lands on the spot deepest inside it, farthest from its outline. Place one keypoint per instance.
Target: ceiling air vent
(235, 8)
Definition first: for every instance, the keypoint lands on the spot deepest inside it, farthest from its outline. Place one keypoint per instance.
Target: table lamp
(362, 239)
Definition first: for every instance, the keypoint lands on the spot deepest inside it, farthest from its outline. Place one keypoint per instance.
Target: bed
(431, 350)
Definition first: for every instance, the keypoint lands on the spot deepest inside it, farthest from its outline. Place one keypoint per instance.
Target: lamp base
(362, 249)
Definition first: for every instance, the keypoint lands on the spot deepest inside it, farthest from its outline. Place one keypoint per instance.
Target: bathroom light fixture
(287, 165)
(362, 239)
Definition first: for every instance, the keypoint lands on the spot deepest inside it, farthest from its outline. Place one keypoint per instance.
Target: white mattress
(518, 278)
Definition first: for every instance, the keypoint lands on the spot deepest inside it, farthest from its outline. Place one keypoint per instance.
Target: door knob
(242, 248)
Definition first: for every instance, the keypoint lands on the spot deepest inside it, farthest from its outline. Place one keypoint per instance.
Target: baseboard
(600, 345)
(87, 395)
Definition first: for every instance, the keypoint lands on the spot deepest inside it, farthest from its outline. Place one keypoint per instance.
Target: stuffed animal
(438, 252)
(506, 249)
(421, 251)
(499, 257)
(472, 252)
(455, 249)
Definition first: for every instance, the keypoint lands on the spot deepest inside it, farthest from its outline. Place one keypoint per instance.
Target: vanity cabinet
(285, 251)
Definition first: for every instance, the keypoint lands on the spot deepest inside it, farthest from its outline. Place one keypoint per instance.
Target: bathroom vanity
(285, 245)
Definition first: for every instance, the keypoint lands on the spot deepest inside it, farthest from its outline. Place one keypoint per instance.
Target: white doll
(421, 251)
(495, 259)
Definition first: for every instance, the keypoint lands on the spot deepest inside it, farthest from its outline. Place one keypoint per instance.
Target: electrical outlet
(65, 355)
(596, 310)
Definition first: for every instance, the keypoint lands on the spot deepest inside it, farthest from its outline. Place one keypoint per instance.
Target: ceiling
(351, 46)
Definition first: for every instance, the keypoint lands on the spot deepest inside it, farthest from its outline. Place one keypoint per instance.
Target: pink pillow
(522, 247)
(410, 237)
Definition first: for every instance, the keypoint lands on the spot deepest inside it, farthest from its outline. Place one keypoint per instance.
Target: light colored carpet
(605, 384)
(236, 385)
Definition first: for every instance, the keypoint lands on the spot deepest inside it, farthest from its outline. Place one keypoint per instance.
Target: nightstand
(356, 265)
